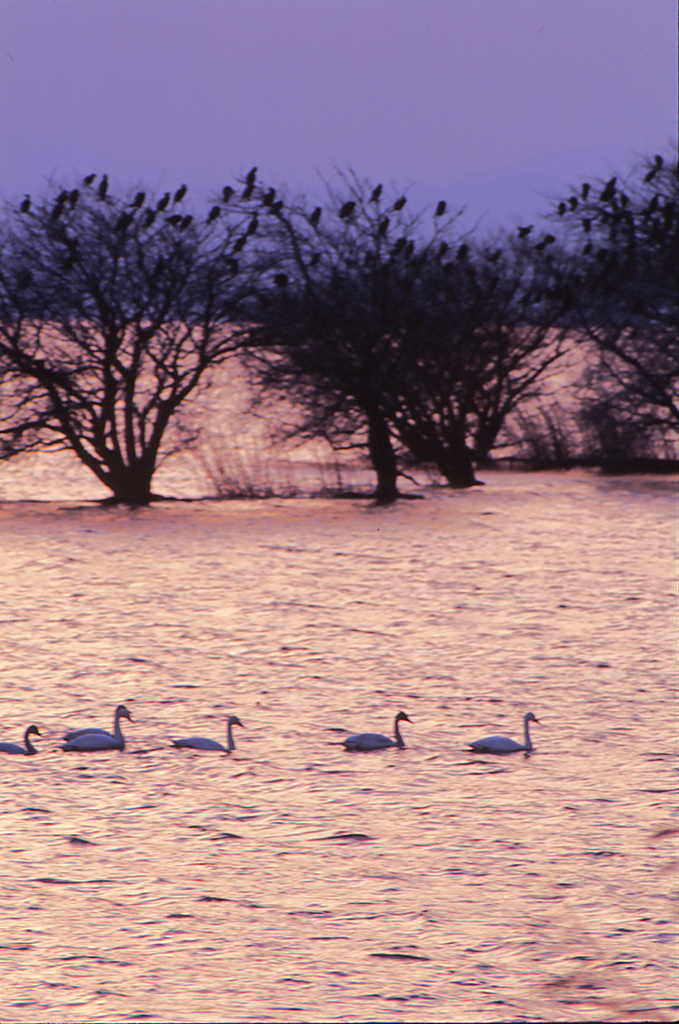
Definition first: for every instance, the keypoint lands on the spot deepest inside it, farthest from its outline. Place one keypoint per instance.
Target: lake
(291, 880)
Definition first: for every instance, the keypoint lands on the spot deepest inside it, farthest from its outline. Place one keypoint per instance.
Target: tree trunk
(130, 486)
(383, 459)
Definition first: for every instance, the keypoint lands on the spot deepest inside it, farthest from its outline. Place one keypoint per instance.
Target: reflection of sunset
(290, 874)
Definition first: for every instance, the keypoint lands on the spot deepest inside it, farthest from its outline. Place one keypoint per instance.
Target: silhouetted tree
(621, 239)
(110, 315)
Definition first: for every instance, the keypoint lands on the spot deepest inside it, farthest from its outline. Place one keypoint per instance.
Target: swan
(375, 740)
(201, 743)
(85, 740)
(14, 748)
(120, 712)
(504, 744)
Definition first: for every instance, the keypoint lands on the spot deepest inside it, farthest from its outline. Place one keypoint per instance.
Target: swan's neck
(30, 749)
(397, 733)
(117, 731)
(526, 735)
(230, 745)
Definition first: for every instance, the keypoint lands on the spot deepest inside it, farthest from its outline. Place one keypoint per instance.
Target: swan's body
(201, 743)
(85, 740)
(504, 744)
(28, 748)
(364, 741)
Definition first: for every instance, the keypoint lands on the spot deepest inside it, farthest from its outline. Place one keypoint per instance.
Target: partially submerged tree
(112, 309)
(622, 245)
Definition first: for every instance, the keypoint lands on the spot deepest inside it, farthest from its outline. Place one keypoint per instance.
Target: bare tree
(622, 243)
(112, 308)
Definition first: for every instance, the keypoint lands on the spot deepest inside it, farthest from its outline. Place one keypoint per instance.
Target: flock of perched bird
(92, 739)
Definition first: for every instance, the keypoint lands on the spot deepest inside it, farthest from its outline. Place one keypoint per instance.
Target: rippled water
(293, 881)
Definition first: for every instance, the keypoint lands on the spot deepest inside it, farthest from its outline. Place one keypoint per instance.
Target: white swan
(201, 743)
(503, 744)
(28, 748)
(375, 740)
(85, 740)
(120, 712)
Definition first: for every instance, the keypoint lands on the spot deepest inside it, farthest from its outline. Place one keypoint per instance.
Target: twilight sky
(499, 104)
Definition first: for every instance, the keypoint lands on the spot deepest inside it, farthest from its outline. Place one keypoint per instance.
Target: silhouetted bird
(608, 191)
(277, 206)
(584, 191)
(186, 221)
(561, 209)
(399, 244)
(213, 214)
(347, 209)
(88, 179)
(149, 218)
(253, 225)
(315, 216)
(73, 197)
(57, 211)
(179, 194)
(103, 187)
(247, 191)
(138, 200)
(400, 203)
(269, 196)
(441, 208)
(175, 220)
(587, 224)
(124, 221)
(658, 161)
(652, 206)
(250, 176)
(227, 192)
(462, 251)
(523, 232)
(651, 174)
(163, 202)
(281, 280)
(573, 202)
(62, 197)
(376, 193)
(25, 205)
(383, 227)
(239, 243)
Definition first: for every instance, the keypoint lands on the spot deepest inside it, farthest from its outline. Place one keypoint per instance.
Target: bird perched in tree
(213, 214)
(608, 191)
(25, 204)
(281, 280)
(175, 220)
(523, 232)
(179, 194)
(253, 225)
(315, 216)
(57, 210)
(399, 245)
(186, 221)
(383, 227)
(103, 187)
(73, 197)
(440, 208)
(462, 251)
(163, 202)
(276, 207)
(138, 200)
(88, 179)
(584, 191)
(573, 202)
(239, 243)
(124, 221)
(587, 224)
(561, 209)
(227, 192)
(269, 196)
(400, 203)
(347, 209)
(250, 176)
(149, 218)
(376, 193)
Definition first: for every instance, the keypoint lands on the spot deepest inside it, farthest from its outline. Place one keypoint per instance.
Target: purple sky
(499, 104)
